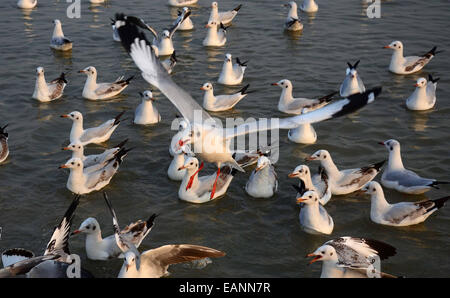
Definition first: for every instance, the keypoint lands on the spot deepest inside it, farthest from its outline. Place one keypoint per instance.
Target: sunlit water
(262, 238)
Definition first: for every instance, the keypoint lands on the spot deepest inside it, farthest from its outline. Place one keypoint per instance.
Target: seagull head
(190, 164)
(263, 162)
(283, 84)
(395, 45)
(147, 95)
(89, 71)
(291, 4)
(165, 34)
(88, 226)
(74, 116)
(372, 188)
(75, 147)
(319, 155)
(214, 5)
(73, 163)
(391, 144)
(131, 259)
(228, 58)
(190, 135)
(56, 22)
(211, 24)
(300, 172)
(40, 70)
(420, 83)
(309, 197)
(206, 86)
(323, 253)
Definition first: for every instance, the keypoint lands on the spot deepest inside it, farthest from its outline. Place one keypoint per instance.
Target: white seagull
(313, 217)
(202, 131)
(263, 181)
(146, 112)
(224, 17)
(96, 135)
(187, 23)
(309, 6)
(177, 162)
(216, 35)
(399, 214)
(352, 83)
(100, 91)
(155, 262)
(27, 4)
(232, 74)
(98, 248)
(4, 148)
(56, 259)
(176, 137)
(319, 182)
(343, 182)
(195, 189)
(292, 22)
(217, 103)
(93, 159)
(303, 134)
(83, 181)
(351, 257)
(179, 3)
(59, 41)
(395, 175)
(410, 64)
(424, 97)
(46, 92)
(290, 105)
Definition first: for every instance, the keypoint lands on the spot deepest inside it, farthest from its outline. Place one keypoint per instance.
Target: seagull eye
(310, 197)
(78, 118)
(78, 165)
(72, 163)
(306, 171)
(191, 163)
(93, 228)
(323, 252)
(88, 227)
(373, 189)
(301, 171)
(331, 253)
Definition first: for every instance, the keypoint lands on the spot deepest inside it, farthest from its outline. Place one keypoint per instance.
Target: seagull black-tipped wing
(60, 238)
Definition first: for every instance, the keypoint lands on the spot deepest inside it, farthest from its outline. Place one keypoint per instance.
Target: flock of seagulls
(340, 257)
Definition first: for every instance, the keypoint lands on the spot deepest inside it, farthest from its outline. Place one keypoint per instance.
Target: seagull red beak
(63, 167)
(65, 116)
(416, 85)
(381, 143)
(386, 47)
(274, 84)
(292, 175)
(309, 158)
(181, 168)
(76, 232)
(316, 257)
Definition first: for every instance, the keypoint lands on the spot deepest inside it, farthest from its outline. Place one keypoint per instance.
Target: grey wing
(228, 100)
(105, 88)
(361, 86)
(238, 70)
(401, 211)
(56, 89)
(96, 177)
(407, 178)
(25, 266)
(98, 131)
(412, 62)
(154, 73)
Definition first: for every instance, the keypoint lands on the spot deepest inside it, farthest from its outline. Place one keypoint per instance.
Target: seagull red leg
(213, 192)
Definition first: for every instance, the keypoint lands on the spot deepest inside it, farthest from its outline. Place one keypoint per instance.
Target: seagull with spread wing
(209, 141)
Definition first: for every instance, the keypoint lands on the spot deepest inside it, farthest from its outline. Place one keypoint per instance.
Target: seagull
(216, 35)
(179, 3)
(424, 97)
(399, 214)
(155, 262)
(218, 103)
(224, 17)
(146, 113)
(232, 74)
(263, 181)
(174, 141)
(83, 181)
(290, 105)
(292, 22)
(187, 23)
(177, 162)
(93, 159)
(395, 176)
(309, 6)
(98, 248)
(195, 189)
(96, 1)
(313, 217)
(4, 148)
(410, 64)
(27, 4)
(56, 259)
(201, 131)
(59, 41)
(319, 183)
(96, 135)
(351, 257)
(46, 92)
(343, 182)
(100, 91)
(352, 83)
(303, 134)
